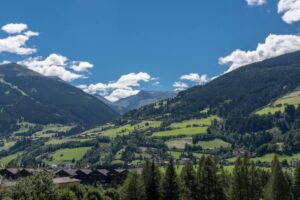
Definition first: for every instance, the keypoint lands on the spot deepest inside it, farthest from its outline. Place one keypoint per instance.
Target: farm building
(66, 173)
(68, 176)
(9, 173)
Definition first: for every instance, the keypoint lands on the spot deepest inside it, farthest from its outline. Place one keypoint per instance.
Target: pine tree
(255, 185)
(188, 183)
(296, 185)
(133, 188)
(199, 176)
(151, 178)
(238, 190)
(169, 187)
(246, 183)
(278, 187)
(210, 183)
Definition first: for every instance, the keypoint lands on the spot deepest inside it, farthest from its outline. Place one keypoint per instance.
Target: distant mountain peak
(142, 98)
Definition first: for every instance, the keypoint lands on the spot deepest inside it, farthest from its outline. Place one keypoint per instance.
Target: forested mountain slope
(32, 97)
(234, 94)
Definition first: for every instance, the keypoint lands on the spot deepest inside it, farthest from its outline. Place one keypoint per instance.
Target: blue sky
(164, 39)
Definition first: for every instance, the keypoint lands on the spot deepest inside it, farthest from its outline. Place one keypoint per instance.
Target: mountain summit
(29, 96)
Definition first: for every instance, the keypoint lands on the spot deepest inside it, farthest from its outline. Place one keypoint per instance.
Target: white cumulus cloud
(290, 10)
(82, 66)
(188, 80)
(14, 28)
(54, 65)
(179, 86)
(16, 44)
(195, 77)
(274, 45)
(125, 86)
(256, 2)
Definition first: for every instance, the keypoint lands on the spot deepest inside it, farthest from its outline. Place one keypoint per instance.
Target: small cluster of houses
(67, 176)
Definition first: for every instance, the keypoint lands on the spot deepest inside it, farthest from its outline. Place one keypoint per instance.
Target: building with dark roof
(66, 173)
(117, 176)
(28, 172)
(100, 176)
(83, 175)
(10, 173)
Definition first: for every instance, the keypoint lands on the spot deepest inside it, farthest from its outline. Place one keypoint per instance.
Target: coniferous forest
(206, 180)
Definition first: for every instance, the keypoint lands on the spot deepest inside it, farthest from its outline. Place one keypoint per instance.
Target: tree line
(205, 181)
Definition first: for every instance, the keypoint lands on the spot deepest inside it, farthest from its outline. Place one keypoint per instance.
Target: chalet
(83, 175)
(99, 176)
(117, 176)
(10, 173)
(28, 172)
(66, 173)
(69, 176)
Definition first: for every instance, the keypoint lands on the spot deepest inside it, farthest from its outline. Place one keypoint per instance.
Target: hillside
(34, 98)
(278, 105)
(220, 118)
(237, 93)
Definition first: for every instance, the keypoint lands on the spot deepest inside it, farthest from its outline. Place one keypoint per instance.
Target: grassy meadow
(67, 155)
(292, 98)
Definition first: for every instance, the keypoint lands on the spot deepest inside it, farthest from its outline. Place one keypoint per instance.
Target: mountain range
(142, 98)
(253, 109)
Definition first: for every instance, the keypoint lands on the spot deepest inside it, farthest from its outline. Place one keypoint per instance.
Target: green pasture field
(269, 158)
(199, 122)
(128, 128)
(175, 154)
(292, 98)
(65, 140)
(67, 155)
(270, 110)
(122, 130)
(7, 159)
(181, 132)
(57, 127)
(150, 124)
(7, 145)
(179, 143)
(214, 144)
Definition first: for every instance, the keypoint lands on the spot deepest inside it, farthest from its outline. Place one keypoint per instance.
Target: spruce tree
(210, 183)
(246, 182)
(151, 178)
(296, 185)
(188, 182)
(199, 176)
(239, 185)
(278, 187)
(255, 185)
(169, 187)
(133, 188)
